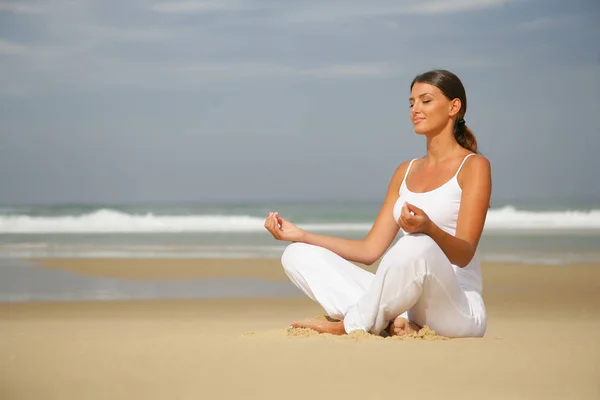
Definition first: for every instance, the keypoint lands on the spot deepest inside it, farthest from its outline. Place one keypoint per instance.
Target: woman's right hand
(282, 229)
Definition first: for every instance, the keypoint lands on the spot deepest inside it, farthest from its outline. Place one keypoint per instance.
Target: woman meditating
(431, 275)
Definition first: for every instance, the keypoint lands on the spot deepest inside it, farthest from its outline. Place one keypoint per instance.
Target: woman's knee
(411, 250)
(418, 244)
(295, 255)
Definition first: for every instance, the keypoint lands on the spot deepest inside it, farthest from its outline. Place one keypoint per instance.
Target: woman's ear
(455, 106)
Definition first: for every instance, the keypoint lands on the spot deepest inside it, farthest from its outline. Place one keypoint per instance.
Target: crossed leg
(414, 282)
(333, 282)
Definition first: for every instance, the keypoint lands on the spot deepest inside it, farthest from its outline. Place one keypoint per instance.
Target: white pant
(414, 279)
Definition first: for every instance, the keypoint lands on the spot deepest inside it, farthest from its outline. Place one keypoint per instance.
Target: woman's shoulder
(403, 168)
(476, 166)
(476, 160)
(399, 174)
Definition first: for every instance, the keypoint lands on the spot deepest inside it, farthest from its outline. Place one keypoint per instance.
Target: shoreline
(188, 279)
(180, 267)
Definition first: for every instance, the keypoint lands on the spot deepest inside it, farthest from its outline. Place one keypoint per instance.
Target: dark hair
(452, 88)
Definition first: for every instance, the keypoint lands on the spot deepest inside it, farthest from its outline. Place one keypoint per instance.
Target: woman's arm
(476, 183)
(370, 249)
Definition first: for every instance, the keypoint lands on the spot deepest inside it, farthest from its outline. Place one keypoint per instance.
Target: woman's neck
(441, 146)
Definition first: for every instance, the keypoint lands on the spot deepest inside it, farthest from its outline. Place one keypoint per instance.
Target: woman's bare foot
(401, 326)
(335, 328)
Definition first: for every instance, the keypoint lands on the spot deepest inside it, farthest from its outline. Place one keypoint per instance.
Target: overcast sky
(241, 100)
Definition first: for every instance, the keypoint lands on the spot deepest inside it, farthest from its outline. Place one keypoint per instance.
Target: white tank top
(442, 205)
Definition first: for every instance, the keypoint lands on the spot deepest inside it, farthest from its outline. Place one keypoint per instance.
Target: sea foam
(112, 221)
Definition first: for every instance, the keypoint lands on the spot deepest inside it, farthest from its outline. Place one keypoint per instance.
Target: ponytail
(464, 136)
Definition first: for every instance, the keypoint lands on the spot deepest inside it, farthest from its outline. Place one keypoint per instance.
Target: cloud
(209, 70)
(306, 12)
(198, 7)
(349, 10)
(20, 8)
(454, 6)
(549, 22)
(113, 33)
(83, 48)
(350, 70)
(90, 74)
(473, 62)
(234, 70)
(11, 48)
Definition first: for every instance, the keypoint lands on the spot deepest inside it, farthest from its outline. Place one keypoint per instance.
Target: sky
(105, 101)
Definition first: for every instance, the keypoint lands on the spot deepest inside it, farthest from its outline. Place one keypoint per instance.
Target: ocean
(517, 233)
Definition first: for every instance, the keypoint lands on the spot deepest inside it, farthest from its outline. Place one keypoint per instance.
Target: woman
(431, 276)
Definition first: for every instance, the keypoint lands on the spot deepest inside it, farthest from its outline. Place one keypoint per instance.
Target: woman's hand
(282, 229)
(414, 220)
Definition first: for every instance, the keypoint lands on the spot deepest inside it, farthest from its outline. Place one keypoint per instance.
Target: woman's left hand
(413, 219)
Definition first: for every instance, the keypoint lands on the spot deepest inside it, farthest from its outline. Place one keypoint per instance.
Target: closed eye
(424, 102)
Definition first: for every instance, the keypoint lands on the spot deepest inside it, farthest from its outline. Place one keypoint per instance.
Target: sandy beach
(542, 342)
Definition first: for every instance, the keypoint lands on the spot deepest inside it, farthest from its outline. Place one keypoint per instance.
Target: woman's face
(430, 109)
